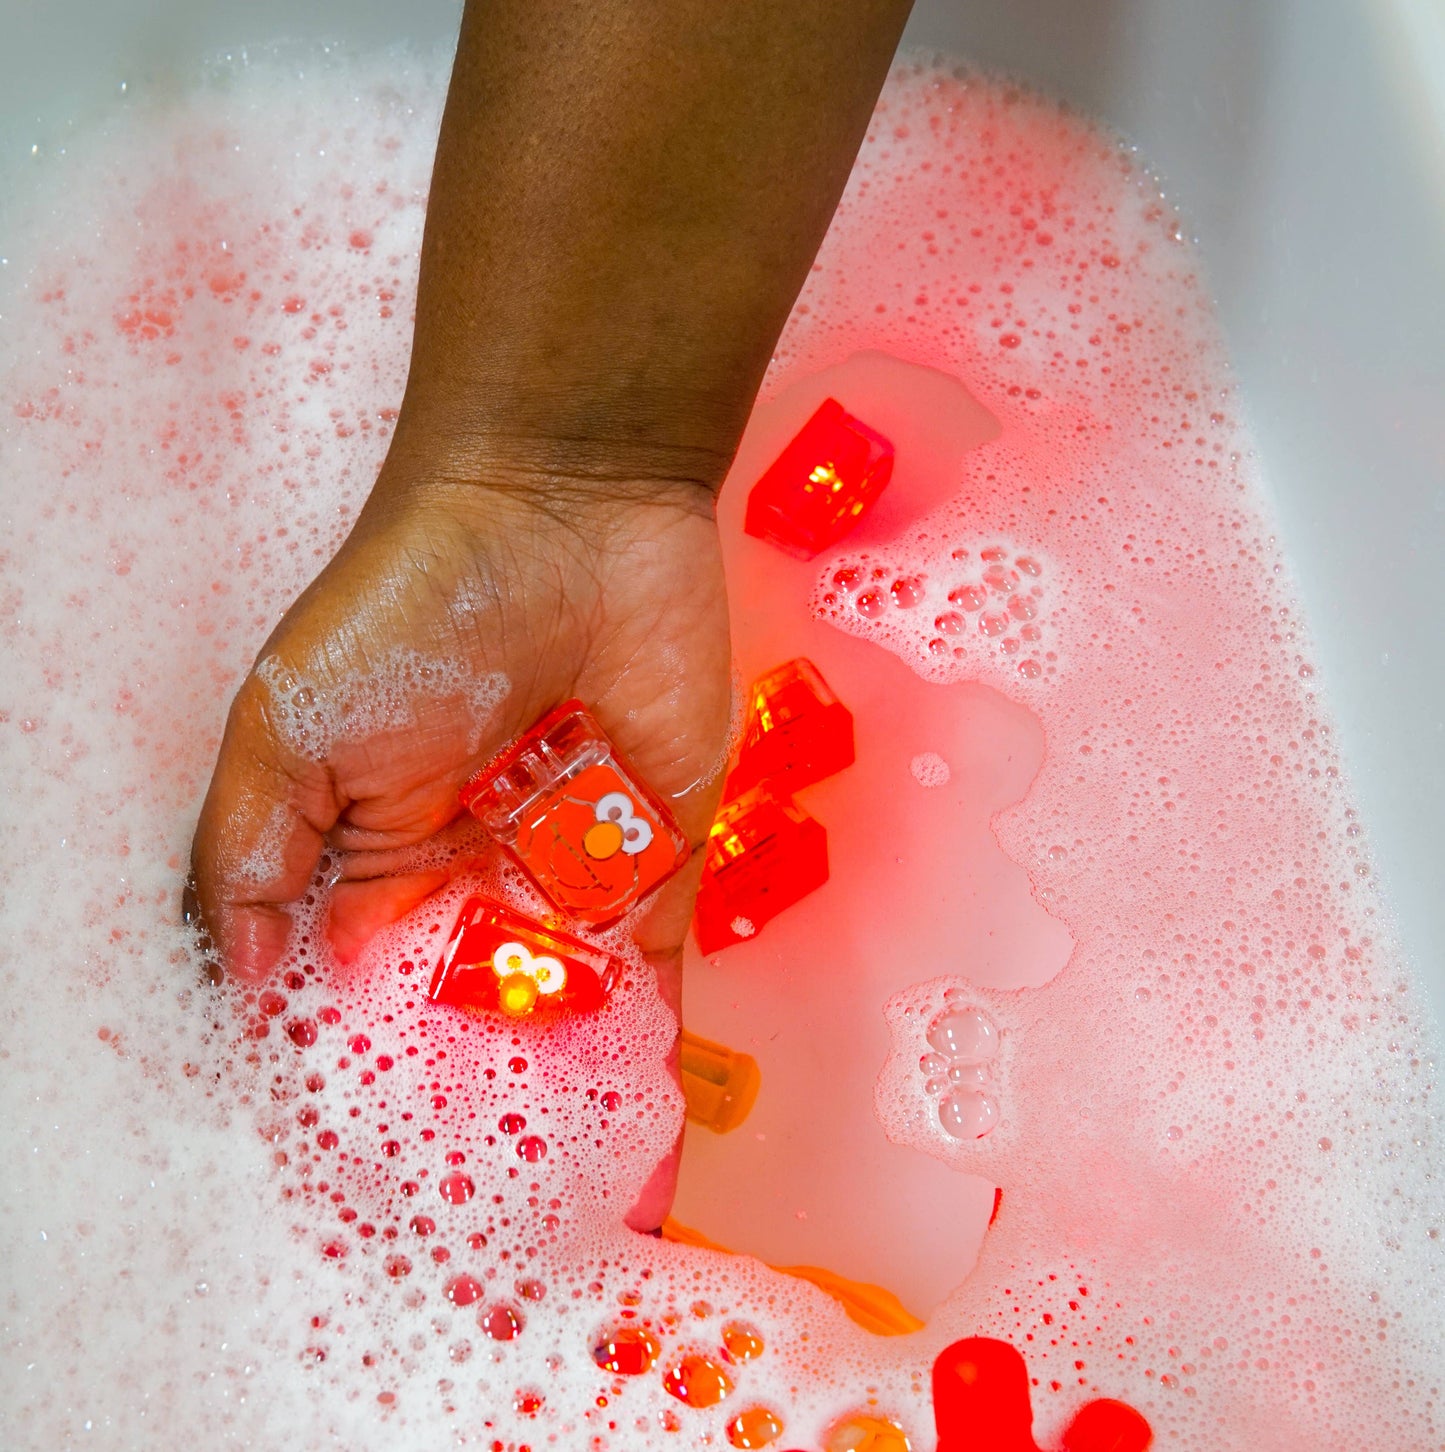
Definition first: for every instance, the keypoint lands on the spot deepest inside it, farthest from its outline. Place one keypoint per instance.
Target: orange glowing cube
(582, 824)
(719, 1084)
(797, 731)
(821, 485)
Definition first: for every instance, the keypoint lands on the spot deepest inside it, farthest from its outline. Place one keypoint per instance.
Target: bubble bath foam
(1095, 866)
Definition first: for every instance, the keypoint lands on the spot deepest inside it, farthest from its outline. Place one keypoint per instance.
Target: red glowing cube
(797, 731)
(499, 960)
(581, 823)
(981, 1404)
(821, 485)
(1107, 1426)
(981, 1398)
(763, 854)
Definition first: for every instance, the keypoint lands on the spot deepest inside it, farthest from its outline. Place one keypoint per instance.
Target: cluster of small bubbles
(392, 697)
(961, 611)
(958, 1063)
(929, 769)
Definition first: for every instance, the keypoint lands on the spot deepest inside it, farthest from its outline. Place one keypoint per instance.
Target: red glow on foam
(583, 825)
(797, 731)
(821, 485)
(981, 1404)
(764, 853)
(466, 978)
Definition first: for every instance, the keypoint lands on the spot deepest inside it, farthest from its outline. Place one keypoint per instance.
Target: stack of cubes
(764, 852)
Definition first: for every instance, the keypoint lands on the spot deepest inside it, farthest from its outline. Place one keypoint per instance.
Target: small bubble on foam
(312, 717)
(929, 769)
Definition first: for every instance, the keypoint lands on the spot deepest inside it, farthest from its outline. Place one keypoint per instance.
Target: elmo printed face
(497, 959)
(593, 838)
(595, 847)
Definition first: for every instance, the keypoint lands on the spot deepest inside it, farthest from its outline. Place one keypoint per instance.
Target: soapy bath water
(1095, 866)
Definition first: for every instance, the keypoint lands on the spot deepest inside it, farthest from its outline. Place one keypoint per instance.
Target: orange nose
(602, 840)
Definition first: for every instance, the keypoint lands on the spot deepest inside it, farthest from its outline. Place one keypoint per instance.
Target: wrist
(476, 476)
(580, 452)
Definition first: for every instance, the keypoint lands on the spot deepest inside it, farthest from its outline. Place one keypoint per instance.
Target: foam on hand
(329, 1210)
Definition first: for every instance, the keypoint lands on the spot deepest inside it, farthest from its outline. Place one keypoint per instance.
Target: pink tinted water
(1107, 821)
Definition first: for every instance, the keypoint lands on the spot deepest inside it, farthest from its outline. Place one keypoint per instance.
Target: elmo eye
(636, 836)
(615, 807)
(511, 958)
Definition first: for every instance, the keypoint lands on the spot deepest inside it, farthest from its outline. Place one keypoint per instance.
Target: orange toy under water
(871, 1307)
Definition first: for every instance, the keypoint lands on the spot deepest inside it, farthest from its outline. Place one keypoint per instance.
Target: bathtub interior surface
(1305, 147)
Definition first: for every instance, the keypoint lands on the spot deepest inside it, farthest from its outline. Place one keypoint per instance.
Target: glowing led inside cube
(797, 731)
(500, 960)
(586, 829)
(822, 483)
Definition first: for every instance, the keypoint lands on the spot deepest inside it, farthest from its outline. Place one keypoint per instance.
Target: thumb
(259, 838)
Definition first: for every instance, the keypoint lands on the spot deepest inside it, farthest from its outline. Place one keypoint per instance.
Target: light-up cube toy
(981, 1400)
(797, 731)
(498, 960)
(580, 822)
(764, 853)
(821, 485)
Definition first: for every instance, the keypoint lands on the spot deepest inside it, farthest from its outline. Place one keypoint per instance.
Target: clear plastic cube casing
(581, 823)
(499, 960)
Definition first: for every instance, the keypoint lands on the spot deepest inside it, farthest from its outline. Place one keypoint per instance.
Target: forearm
(626, 200)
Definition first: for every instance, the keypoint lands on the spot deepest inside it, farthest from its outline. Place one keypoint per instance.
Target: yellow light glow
(863, 1432)
(517, 994)
(827, 476)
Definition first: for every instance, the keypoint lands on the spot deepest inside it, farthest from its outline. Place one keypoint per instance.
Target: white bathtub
(1305, 146)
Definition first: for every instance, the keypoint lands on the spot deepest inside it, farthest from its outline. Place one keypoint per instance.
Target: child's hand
(625, 202)
(613, 594)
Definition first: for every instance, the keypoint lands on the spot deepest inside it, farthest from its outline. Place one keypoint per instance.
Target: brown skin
(625, 202)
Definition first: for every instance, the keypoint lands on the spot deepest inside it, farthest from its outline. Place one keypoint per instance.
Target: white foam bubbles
(958, 609)
(929, 769)
(391, 697)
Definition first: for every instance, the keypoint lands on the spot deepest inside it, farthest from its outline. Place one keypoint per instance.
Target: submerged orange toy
(719, 1084)
(821, 485)
(499, 960)
(583, 825)
(981, 1404)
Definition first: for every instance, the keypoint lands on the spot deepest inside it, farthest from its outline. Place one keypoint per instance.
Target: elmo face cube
(499, 960)
(588, 832)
